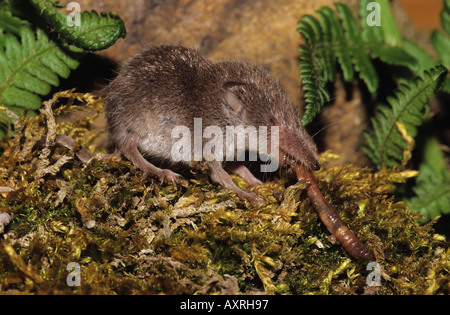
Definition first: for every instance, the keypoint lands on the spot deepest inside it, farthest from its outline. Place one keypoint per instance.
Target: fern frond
(31, 63)
(432, 193)
(385, 145)
(30, 66)
(445, 16)
(357, 51)
(424, 60)
(314, 86)
(11, 23)
(337, 38)
(433, 183)
(96, 32)
(441, 41)
(324, 42)
(441, 44)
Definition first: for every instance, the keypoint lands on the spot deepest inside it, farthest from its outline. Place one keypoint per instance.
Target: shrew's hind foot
(220, 176)
(131, 152)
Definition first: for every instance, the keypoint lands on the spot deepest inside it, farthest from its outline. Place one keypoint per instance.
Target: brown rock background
(260, 31)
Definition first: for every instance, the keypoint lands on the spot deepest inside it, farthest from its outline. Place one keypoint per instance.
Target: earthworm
(330, 218)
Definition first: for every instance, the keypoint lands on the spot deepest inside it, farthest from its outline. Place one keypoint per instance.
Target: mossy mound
(131, 236)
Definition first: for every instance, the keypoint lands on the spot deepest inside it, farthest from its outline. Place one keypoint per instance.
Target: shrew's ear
(231, 98)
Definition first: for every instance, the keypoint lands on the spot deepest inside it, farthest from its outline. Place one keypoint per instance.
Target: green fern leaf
(441, 41)
(96, 32)
(337, 35)
(408, 106)
(445, 16)
(441, 44)
(328, 41)
(424, 60)
(30, 67)
(387, 32)
(336, 39)
(11, 23)
(357, 51)
(318, 59)
(432, 193)
(433, 183)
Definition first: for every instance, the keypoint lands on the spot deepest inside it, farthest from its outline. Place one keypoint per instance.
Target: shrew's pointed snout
(310, 159)
(299, 145)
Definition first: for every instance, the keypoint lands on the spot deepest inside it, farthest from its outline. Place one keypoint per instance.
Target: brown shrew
(164, 87)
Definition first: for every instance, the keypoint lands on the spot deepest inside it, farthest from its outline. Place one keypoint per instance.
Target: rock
(262, 32)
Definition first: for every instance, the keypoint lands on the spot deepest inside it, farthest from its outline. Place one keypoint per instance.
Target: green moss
(141, 237)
